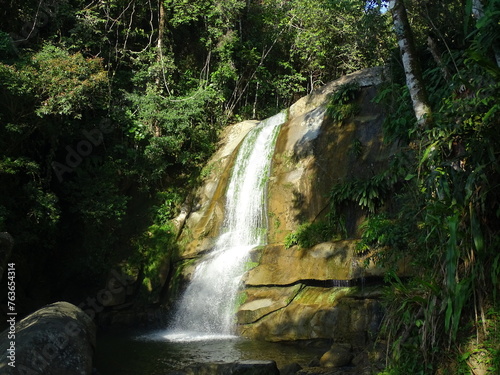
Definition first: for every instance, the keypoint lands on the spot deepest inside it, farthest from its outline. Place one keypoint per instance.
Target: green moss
(186, 237)
(241, 298)
(287, 160)
(277, 223)
(249, 265)
(177, 279)
(207, 170)
(293, 296)
(338, 293)
(315, 295)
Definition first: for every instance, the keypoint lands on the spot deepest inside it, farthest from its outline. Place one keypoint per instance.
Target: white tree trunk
(477, 9)
(410, 62)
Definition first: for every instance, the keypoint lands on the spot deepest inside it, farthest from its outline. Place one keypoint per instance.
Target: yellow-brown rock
(325, 261)
(345, 314)
(313, 153)
(207, 207)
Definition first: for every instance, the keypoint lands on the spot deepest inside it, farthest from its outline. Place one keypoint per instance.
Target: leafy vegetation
(445, 220)
(310, 234)
(342, 104)
(109, 111)
(436, 205)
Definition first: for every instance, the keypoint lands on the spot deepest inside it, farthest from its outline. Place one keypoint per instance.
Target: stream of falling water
(206, 309)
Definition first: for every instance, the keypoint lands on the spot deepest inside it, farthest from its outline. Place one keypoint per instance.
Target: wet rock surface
(351, 315)
(339, 355)
(281, 266)
(311, 155)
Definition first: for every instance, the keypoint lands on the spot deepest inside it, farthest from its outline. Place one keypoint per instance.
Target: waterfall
(206, 309)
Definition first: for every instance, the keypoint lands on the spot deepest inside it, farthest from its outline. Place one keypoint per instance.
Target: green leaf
(448, 313)
(428, 151)
(476, 232)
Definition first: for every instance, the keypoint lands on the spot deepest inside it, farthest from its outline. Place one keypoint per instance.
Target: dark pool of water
(148, 353)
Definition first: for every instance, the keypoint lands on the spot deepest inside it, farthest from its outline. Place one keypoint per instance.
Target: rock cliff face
(300, 294)
(207, 208)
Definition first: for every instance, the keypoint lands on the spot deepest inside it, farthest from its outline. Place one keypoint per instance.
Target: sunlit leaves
(67, 83)
(333, 37)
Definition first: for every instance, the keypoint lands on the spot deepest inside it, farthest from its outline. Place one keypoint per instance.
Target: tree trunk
(160, 81)
(477, 9)
(161, 24)
(410, 62)
(160, 45)
(436, 54)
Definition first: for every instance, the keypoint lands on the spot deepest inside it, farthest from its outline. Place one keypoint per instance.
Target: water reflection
(149, 353)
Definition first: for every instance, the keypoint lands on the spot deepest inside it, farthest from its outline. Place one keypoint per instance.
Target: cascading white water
(206, 309)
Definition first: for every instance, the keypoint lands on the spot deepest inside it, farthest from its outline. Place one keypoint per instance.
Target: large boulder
(311, 155)
(262, 301)
(339, 355)
(58, 339)
(335, 263)
(298, 293)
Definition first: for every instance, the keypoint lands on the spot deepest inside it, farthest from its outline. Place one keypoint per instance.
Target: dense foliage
(109, 109)
(436, 206)
(445, 219)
